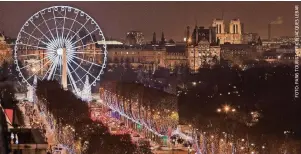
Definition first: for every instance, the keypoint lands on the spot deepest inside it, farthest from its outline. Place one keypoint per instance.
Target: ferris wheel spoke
(57, 33)
(34, 37)
(72, 25)
(33, 46)
(84, 36)
(42, 68)
(83, 69)
(40, 30)
(47, 71)
(79, 29)
(72, 82)
(52, 68)
(80, 78)
(64, 23)
(47, 25)
(57, 59)
(85, 61)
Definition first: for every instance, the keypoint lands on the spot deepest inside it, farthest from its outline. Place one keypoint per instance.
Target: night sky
(116, 18)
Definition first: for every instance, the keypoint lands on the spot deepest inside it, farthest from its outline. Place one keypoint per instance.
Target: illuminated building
(148, 56)
(5, 50)
(202, 55)
(285, 54)
(249, 37)
(134, 38)
(232, 35)
(236, 54)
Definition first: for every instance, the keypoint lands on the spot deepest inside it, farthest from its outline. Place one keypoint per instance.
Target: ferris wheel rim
(56, 8)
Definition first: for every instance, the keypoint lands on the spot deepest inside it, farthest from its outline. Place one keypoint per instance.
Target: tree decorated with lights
(74, 129)
(86, 92)
(31, 90)
(148, 108)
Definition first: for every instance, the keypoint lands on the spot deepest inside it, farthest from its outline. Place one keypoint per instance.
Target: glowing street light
(219, 110)
(226, 108)
(189, 40)
(194, 83)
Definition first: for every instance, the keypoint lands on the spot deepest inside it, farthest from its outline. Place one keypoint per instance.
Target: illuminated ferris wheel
(61, 43)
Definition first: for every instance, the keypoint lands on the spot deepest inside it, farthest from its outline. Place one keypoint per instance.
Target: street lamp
(194, 83)
(226, 108)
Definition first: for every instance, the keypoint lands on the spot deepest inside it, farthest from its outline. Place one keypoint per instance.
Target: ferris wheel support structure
(64, 69)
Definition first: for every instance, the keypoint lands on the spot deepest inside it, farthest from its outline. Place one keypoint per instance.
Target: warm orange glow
(226, 108)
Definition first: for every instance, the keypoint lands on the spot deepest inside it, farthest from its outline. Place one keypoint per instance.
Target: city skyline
(169, 17)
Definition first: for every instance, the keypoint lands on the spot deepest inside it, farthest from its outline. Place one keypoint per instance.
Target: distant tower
(235, 26)
(196, 33)
(162, 39)
(220, 26)
(259, 42)
(188, 37)
(154, 38)
(242, 28)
